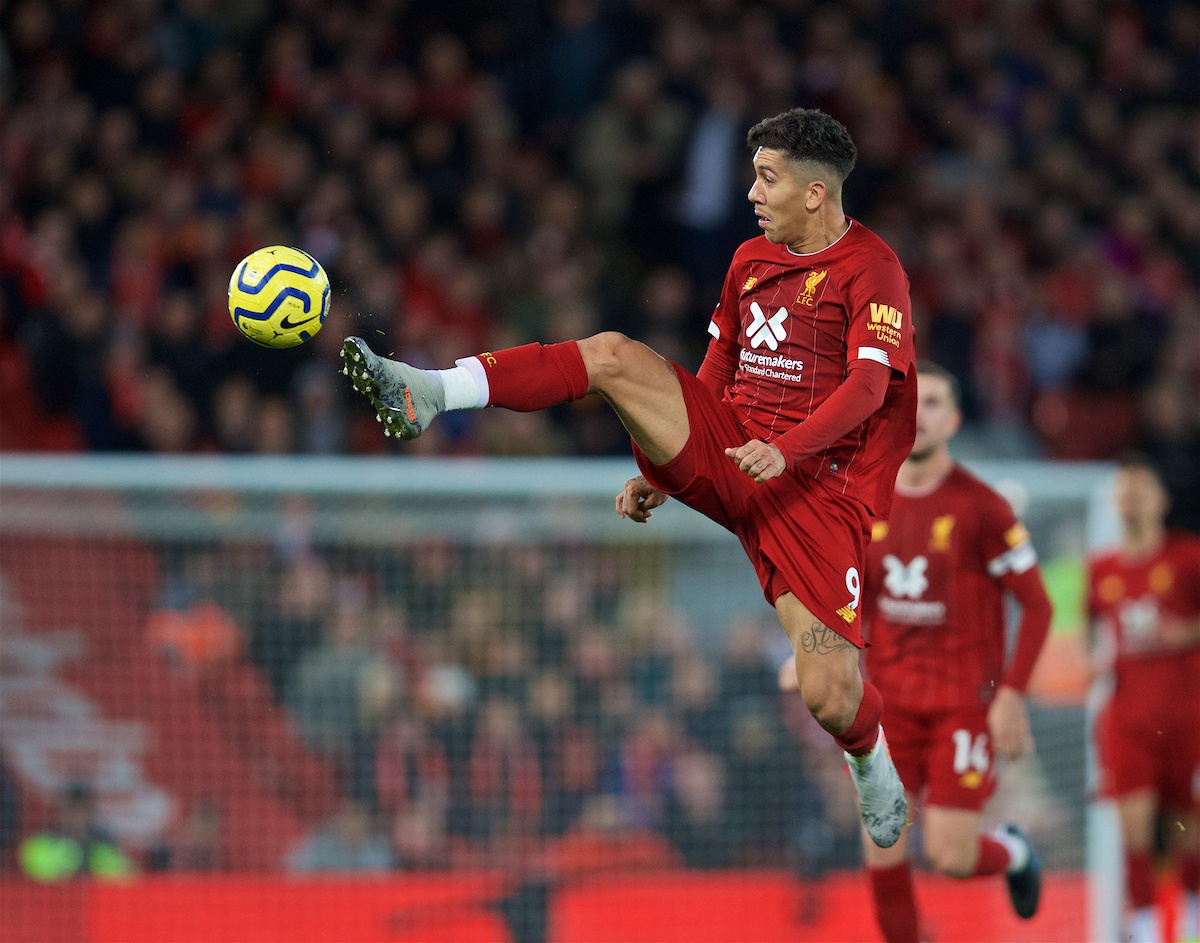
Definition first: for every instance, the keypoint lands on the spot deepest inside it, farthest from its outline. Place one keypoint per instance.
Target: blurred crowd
(472, 701)
(475, 175)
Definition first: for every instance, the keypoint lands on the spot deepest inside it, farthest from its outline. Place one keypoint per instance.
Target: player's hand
(638, 499)
(1008, 724)
(760, 460)
(1175, 632)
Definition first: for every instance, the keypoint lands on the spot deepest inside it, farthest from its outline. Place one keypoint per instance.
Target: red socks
(993, 857)
(535, 376)
(1139, 879)
(859, 738)
(895, 903)
(1189, 873)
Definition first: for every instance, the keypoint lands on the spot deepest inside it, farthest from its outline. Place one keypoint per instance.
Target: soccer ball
(279, 296)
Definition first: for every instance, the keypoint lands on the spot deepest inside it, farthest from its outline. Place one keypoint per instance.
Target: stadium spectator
(195, 639)
(75, 844)
(348, 842)
(843, 425)
(293, 622)
(604, 840)
(198, 846)
(696, 819)
(764, 776)
(1143, 607)
(135, 234)
(419, 840)
(504, 779)
(341, 693)
(568, 752)
(938, 575)
(411, 768)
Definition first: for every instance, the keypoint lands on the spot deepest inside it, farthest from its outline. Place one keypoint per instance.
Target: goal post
(490, 594)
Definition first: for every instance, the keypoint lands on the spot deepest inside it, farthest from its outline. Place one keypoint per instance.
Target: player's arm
(1182, 629)
(1097, 646)
(858, 396)
(1008, 720)
(720, 363)
(1015, 569)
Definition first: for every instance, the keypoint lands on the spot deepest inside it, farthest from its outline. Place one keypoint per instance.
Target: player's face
(779, 198)
(1140, 497)
(937, 416)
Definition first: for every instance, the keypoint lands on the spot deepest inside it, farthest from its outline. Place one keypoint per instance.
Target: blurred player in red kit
(789, 435)
(939, 572)
(1143, 604)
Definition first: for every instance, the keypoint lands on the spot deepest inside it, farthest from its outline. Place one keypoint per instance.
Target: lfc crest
(807, 297)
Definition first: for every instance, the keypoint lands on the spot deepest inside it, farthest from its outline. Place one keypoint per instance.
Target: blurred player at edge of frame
(939, 573)
(789, 435)
(1143, 606)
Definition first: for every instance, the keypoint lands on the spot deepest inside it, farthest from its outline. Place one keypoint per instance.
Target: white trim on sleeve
(874, 353)
(1017, 560)
(714, 330)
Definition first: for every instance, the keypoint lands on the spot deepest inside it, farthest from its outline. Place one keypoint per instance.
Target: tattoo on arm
(822, 640)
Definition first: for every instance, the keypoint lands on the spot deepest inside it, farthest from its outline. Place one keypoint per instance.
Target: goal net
(419, 699)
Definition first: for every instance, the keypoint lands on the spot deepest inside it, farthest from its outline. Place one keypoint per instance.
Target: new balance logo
(905, 581)
(764, 330)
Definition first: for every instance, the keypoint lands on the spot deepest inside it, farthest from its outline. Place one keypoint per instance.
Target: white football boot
(881, 798)
(405, 399)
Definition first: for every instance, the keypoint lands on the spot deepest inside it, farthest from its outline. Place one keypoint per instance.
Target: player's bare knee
(607, 356)
(951, 858)
(830, 706)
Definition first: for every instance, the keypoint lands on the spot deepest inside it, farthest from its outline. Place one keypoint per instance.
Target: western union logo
(886, 313)
(847, 613)
(750, 283)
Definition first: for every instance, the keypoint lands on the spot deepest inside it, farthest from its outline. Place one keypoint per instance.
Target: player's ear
(815, 195)
(956, 418)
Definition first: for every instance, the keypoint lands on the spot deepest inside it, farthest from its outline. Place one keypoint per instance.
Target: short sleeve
(880, 312)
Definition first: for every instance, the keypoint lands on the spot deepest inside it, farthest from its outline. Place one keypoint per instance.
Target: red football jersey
(1127, 597)
(934, 595)
(794, 323)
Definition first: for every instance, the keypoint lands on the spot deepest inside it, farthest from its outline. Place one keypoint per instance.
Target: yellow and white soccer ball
(279, 296)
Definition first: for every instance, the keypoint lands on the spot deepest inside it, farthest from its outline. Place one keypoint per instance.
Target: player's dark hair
(930, 369)
(1132, 459)
(807, 135)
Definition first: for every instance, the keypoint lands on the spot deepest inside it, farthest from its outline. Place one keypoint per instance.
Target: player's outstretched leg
(405, 399)
(1025, 883)
(881, 797)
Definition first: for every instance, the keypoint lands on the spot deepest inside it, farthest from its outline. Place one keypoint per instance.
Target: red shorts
(1142, 748)
(801, 537)
(946, 755)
